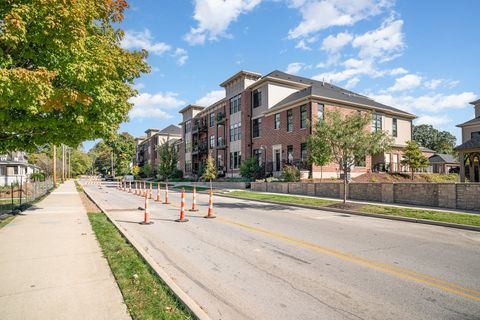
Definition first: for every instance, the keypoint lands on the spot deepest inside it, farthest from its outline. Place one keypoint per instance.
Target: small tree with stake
(345, 137)
(413, 157)
(320, 153)
(210, 172)
(168, 159)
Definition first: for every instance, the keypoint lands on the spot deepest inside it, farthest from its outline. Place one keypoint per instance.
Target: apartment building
(146, 146)
(469, 150)
(269, 117)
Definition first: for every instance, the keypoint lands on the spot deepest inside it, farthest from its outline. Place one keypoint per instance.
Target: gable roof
(469, 122)
(329, 91)
(470, 144)
(442, 158)
(475, 102)
(171, 129)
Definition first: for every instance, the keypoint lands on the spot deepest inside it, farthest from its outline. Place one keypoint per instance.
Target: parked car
(454, 170)
(108, 177)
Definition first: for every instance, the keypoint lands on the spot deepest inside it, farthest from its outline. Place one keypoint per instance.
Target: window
(188, 165)
(212, 142)
(303, 116)
(188, 147)
(235, 104)
(290, 154)
(303, 152)
(277, 121)
(290, 120)
(235, 159)
(376, 122)
(212, 119)
(257, 127)
(231, 132)
(257, 153)
(475, 134)
(257, 98)
(235, 132)
(320, 112)
(188, 126)
(394, 127)
(239, 131)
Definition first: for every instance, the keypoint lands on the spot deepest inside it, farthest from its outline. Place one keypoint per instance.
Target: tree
(347, 137)
(429, 137)
(80, 162)
(123, 149)
(135, 170)
(64, 76)
(168, 159)
(319, 153)
(291, 174)
(413, 157)
(210, 172)
(250, 169)
(101, 154)
(146, 170)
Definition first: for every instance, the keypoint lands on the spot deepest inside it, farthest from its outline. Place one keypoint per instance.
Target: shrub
(291, 174)
(177, 174)
(250, 169)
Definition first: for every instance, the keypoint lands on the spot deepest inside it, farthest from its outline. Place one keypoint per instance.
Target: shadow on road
(248, 206)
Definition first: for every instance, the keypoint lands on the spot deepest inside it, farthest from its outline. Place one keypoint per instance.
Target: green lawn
(145, 295)
(281, 198)
(452, 217)
(6, 221)
(190, 188)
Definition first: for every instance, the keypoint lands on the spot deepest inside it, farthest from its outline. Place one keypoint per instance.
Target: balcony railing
(221, 117)
(199, 128)
(201, 147)
(221, 143)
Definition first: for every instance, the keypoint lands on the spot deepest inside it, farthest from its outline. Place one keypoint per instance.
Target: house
(268, 117)
(14, 168)
(442, 163)
(146, 146)
(469, 150)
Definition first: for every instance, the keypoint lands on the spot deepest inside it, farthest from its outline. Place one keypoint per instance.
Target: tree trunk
(210, 185)
(54, 165)
(412, 174)
(321, 173)
(345, 184)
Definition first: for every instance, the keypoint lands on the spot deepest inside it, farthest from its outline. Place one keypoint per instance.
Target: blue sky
(419, 56)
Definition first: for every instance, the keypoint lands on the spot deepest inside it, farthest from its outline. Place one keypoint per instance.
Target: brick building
(146, 147)
(268, 117)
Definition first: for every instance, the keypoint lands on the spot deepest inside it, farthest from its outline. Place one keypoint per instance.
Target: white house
(14, 168)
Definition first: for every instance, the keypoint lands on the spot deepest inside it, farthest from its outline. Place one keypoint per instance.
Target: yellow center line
(440, 284)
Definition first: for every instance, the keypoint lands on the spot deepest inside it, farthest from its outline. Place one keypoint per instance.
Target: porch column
(461, 157)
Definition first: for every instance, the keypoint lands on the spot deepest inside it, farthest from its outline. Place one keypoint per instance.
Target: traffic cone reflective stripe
(166, 194)
(182, 208)
(151, 191)
(194, 200)
(130, 187)
(146, 214)
(158, 192)
(210, 214)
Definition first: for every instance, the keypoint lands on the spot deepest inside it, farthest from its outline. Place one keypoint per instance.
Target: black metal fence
(20, 194)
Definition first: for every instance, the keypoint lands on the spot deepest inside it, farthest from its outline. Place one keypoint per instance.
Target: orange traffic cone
(210, 214)
(124, 185)
(166, 194)
(151, 192)
(146, 215)
(194, 200)
(158, 192)
(130, 187)
(144, 188)
(182, 209)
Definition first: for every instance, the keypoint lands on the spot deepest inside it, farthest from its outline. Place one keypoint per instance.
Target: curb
(372, 215)
(185, 299)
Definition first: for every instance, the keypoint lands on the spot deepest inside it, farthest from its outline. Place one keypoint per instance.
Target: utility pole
(54, 165)
(111, 161)
(63, 163)
(69, 154)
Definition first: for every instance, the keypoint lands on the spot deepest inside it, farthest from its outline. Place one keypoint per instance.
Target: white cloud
(295, 67)
(147, 105)
(211, 97)
(397, 71)
(432, 120)
(321, 14)
(335, 43)
(181, 55)
(384, 43)
(407, 82)
(429, 103)
(435, 83)
(144, 40)
(302, 44)
(138, 86)
(352, 83)
(214, 18)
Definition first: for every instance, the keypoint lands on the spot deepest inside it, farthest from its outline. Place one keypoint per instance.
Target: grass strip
(281, 198)
(190, 188)
(6, 221)
(452, 217)
(144, 293)
(442, 216)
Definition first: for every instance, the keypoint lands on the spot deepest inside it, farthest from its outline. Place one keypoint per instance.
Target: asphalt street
(266, 261)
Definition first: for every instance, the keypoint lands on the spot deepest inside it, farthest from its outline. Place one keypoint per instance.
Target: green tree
(210, 172)
(168, 159)
(291, 174)
(429, 137)
(64, 76)
(250, 169)
(319, 152)
(347, 137)
(135, 170)
(146, 170)
(413, 157)
(123, 148)
(101, 154)
(81, 163)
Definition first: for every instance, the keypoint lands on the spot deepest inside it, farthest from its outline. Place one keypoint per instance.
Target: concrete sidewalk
(52, 267)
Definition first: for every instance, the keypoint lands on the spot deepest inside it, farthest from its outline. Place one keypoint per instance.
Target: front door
(277, 158)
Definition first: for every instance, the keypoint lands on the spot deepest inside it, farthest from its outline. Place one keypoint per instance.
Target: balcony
(221, 118)
(221, 143)
(200, 148)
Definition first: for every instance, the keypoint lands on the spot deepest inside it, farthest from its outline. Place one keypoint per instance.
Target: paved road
(263, 261)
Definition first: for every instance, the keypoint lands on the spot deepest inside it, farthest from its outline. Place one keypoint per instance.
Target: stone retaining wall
(464, 196)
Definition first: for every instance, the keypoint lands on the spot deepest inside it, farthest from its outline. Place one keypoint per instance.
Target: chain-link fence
(20, 195)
